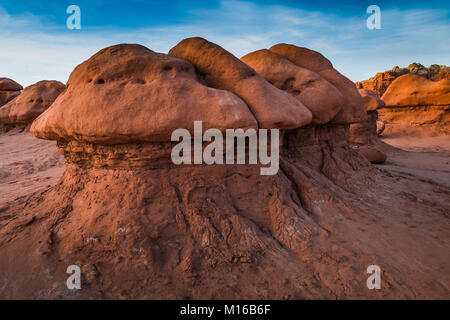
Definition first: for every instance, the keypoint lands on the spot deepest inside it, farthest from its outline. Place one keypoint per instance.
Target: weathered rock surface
(363, 136)
(414, 90)
(373, 153)
(417, 106)
(382, 80)
(9, 89)
(33, 101)
(273, 108)
(158, 93)
(317, 94)
(370, 99)
(353, 109)
(141, 227)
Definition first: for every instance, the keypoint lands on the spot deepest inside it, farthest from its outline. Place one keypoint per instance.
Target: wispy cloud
(34, 49)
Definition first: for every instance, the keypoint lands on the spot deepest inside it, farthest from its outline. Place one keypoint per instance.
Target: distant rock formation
(381, 81)
(364, 135)
(9, 89)
(33, 101)
(414, 102)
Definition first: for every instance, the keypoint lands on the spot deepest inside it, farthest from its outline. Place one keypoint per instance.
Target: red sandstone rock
(382, 80)
(141, 227)
(33, 101)
(414, 90)
(373, 154)
(317, 94)
(353, 109)
(371, 100)
(9, 89)
(128, 93)
(416, 107)
(7, 84)
(380, 127)
(272, 107)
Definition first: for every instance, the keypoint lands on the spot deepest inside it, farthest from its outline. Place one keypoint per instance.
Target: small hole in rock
(90, 80)
(100, 81)
(167, 68)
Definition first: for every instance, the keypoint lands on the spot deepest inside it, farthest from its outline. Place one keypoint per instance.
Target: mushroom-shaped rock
(127, 93)
(33, 101)
(353, 109)
(272, 107)
(414, 90)
(317, 94)
(9, 89)
(371, 100)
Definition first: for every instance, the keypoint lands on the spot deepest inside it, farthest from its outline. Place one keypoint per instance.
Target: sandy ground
(27, 165)
(424, 157)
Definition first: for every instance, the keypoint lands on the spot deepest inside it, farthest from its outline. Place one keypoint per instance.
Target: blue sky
(36, 45)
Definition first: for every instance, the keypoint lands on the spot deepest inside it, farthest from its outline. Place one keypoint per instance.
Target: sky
(35, 43)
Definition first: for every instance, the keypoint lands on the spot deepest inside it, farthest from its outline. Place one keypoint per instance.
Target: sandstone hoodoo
(218, 68)
(382, 80)
(364, 135)
(141, 226)
(353, 108)
(9, 89)
(33, 101)
(317, 94)
(416, 105)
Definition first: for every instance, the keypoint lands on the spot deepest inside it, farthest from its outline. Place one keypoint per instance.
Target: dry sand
(27, 165)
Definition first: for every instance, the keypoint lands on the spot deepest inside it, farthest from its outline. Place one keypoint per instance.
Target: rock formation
(353, 108)
(218, 68)
(9, 89)
(381, 81)
(417, 105)
(317, 94)
(34, 100)
(140, 226)
(364, 135)
(163, 93)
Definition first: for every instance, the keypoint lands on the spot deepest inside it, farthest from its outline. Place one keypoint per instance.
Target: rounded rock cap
(128, 93)
(414, 90)
(272, 107)
(353, 109)
(317, 94)
(33, 101)
(7, 84)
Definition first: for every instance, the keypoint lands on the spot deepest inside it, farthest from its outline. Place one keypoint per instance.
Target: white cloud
(33, 50)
